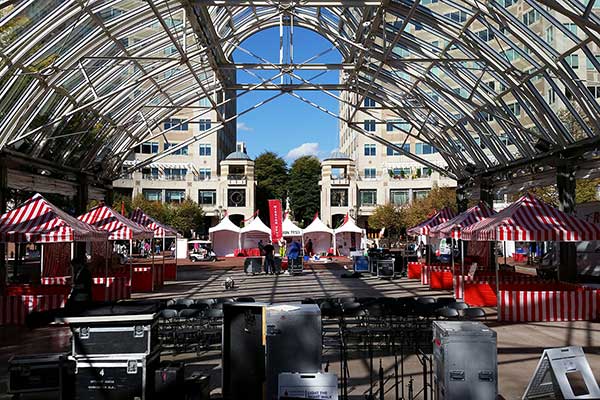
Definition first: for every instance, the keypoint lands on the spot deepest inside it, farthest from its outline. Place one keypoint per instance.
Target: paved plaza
(519, 345)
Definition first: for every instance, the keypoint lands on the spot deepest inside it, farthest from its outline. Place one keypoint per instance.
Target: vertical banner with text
(276, 217)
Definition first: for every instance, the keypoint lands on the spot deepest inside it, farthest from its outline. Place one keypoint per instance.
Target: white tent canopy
(348, 236)
(289, 229)
(253, 233)
(225, 237)
(320, 235)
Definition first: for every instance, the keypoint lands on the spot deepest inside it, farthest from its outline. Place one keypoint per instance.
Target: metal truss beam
(288, 67)
(306, 3)
(290, 87)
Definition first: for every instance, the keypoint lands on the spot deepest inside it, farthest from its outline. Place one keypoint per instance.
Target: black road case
(113, 331)
(296, 266)
(168, 381)
(113, 378)
(40, 373)
(253, 265)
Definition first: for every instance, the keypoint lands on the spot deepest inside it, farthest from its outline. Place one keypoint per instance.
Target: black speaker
(243, 351)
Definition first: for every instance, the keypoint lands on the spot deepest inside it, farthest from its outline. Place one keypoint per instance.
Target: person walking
(269, 265)
(81, 292)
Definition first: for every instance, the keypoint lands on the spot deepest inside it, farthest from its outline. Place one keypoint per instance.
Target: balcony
(203, 178)
(153, 177)
(236, 179)
(339, 180)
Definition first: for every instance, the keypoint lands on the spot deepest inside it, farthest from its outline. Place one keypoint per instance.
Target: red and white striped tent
(118, 226)
(444, 215)
(39, 221)
(454, 227)
(529, 220)
(160, 230)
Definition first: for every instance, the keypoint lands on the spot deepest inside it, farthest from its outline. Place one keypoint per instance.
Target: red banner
(275, 215)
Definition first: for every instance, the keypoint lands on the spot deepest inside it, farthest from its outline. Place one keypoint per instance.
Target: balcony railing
(237, 179)
(200, 178)
(152, 177)
(340, 180)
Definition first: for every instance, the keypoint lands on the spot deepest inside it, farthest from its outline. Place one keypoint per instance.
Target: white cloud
(241, 126)
(305, 149)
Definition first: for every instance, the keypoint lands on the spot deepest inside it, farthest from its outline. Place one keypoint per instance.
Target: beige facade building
(366, 173)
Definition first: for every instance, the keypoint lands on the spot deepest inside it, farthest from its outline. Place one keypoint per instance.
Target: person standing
(309, 248)
(269, 250)
(293, 253)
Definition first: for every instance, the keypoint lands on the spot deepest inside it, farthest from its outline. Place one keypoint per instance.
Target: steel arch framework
(83, 82)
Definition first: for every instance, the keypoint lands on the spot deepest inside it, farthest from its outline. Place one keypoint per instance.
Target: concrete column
(486, 195)
(462, 203)
(3, 201)
(566, 184)
(81, 202)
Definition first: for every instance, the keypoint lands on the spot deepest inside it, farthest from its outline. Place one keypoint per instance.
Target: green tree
(585, 190)
(303, 188)
(390, 217)
(438, 198)
(185, 217)
(271, 174)
(154, 209)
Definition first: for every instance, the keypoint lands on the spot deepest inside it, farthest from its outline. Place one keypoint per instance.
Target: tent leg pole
(497, 280)
(462, 269)
(106, 255)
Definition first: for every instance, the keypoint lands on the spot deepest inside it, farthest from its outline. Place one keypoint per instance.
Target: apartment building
(365, 173)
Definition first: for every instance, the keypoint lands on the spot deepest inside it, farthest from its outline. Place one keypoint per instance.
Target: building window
(205, 102)
(174, 196)
(150, 173)
(572, 60)
(207, 197)
(175, 124)
(370, 173)
(236, 198)
(368, 197)
(204, 149)
(339, 197)
(392, 152)
(175, 174)
(515, 109)
(147, 148)
(396, 125)
(420, 194)
(204, 174)
(369, 102)
(152, 194)
(369, 125)
(424, 148)
(204, 124)
(179, 152)
(572, 27)
(399, 197)
(370, 150)
(530, 17)
(551, 96)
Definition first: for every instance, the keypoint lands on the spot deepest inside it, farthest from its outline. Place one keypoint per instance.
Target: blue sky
(286, 125)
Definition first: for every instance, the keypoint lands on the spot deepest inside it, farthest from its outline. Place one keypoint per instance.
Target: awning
(256, 226)
(440, 217)
(531, 220)
(289, 229)
(317, 226)
(39, 221)
(454, 227)
(118, 226)
(349, 226)
(224, 225)
(160, 230)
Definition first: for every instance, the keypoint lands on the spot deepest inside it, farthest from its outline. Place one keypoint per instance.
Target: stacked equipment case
(466, 361)
(116, 352)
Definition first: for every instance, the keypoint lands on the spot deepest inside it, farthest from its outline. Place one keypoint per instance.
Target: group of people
(291, 249)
